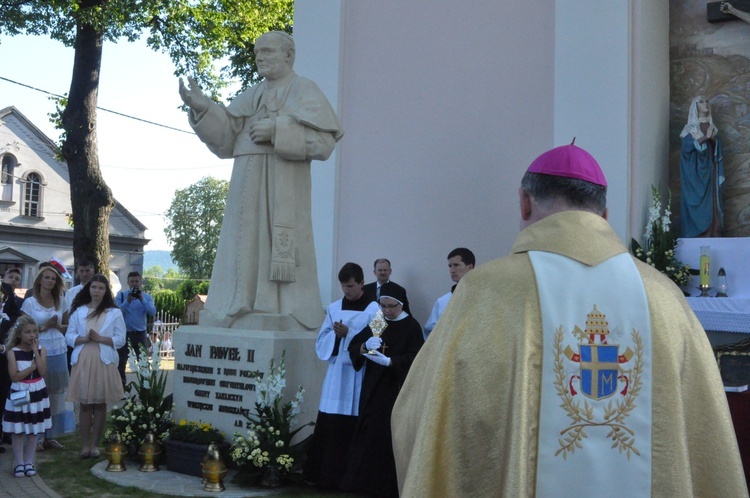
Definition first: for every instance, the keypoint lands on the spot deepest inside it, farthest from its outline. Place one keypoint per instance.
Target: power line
(105, 166)
(100, 108)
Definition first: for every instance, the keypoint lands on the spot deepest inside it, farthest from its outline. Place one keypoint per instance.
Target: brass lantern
(214, 470)
(115, 452)
(149, 453)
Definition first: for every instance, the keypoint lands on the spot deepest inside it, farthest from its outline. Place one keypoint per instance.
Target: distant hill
(158, 258)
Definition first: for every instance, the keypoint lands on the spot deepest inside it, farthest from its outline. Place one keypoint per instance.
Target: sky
(142, 163)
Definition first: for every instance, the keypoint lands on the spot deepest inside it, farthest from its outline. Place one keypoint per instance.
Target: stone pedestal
(213, 373)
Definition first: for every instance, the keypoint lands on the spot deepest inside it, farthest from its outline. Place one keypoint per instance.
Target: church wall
(713, 60)
(650, 108)
(592, 88)
(317, 37)
(444, 108)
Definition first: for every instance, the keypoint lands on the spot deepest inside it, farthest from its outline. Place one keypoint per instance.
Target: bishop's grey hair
(578, 194)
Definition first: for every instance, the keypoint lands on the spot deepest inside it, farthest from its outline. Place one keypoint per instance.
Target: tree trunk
(90, 196)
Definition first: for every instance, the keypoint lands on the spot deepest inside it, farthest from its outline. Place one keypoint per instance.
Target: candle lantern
(721, 283)
(149, 453)
(705, 270)
(115, 452)
(214, 470)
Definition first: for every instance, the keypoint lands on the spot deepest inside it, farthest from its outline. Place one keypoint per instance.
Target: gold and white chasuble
(502, 401)
(595, 413)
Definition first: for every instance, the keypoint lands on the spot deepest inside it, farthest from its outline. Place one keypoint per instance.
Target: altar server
(339, 401)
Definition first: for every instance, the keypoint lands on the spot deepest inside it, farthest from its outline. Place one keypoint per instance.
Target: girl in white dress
(27, 364)
(95, 330)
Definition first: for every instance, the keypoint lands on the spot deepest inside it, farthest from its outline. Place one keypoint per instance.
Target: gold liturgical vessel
(377, 325)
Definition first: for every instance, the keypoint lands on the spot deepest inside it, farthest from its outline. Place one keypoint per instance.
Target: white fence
(162, 331)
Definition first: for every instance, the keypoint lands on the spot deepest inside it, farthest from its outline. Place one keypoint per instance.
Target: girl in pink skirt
(95, 330)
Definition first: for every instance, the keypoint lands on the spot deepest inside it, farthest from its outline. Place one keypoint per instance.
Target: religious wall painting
(713, 60)
(598, 382)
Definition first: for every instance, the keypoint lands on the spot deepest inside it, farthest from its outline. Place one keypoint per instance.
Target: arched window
(32, 196)
(9, 164)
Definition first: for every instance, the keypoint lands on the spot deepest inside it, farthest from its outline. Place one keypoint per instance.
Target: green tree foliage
(187, 289)
(152, 279)
(194, 33)
(155, 272)
(194, 223)
(169, 302)
(155, 279)
(203, 287)
(172, 279)
(152, 284)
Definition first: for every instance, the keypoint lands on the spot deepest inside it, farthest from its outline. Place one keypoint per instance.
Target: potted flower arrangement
(187, 444)
(264, 454)
(146, 408)
(661, 242)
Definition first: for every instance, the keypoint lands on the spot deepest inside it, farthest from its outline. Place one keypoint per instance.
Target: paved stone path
(18, 487)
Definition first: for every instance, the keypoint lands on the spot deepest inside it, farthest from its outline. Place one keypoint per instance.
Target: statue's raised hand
(193, 96)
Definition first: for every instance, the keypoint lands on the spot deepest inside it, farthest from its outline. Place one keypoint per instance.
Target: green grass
(71, 477)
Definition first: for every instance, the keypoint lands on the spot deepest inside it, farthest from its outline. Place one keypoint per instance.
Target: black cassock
(372, 469)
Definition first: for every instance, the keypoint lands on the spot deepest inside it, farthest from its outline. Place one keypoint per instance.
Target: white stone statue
(265, 275)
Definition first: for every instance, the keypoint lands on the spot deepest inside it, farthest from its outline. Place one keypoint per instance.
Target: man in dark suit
(11, 310)
(382, 271)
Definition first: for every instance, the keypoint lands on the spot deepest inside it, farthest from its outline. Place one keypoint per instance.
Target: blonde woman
(46, 306)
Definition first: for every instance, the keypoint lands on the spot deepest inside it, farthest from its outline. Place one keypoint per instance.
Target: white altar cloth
(722, 314)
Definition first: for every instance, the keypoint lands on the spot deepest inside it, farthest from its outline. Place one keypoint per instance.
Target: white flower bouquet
(146, 409)
(661, 242)
(266, 445)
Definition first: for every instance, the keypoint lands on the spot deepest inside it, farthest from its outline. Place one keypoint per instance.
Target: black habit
(372, 469)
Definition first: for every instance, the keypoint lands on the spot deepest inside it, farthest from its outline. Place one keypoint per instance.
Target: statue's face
(704, 108)
(272, 60)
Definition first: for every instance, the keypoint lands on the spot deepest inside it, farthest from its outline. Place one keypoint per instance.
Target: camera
(136, 292)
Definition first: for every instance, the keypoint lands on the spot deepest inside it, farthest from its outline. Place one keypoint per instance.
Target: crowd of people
(565, 367)
(369, 340)
(61, 347)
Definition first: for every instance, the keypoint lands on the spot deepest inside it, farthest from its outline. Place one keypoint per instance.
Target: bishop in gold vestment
(467, 420)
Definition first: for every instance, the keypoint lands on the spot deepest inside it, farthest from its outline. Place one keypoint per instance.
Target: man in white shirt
(84, 272)
(460, 261)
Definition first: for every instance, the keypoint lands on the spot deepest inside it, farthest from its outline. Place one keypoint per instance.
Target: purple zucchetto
(569, 161)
